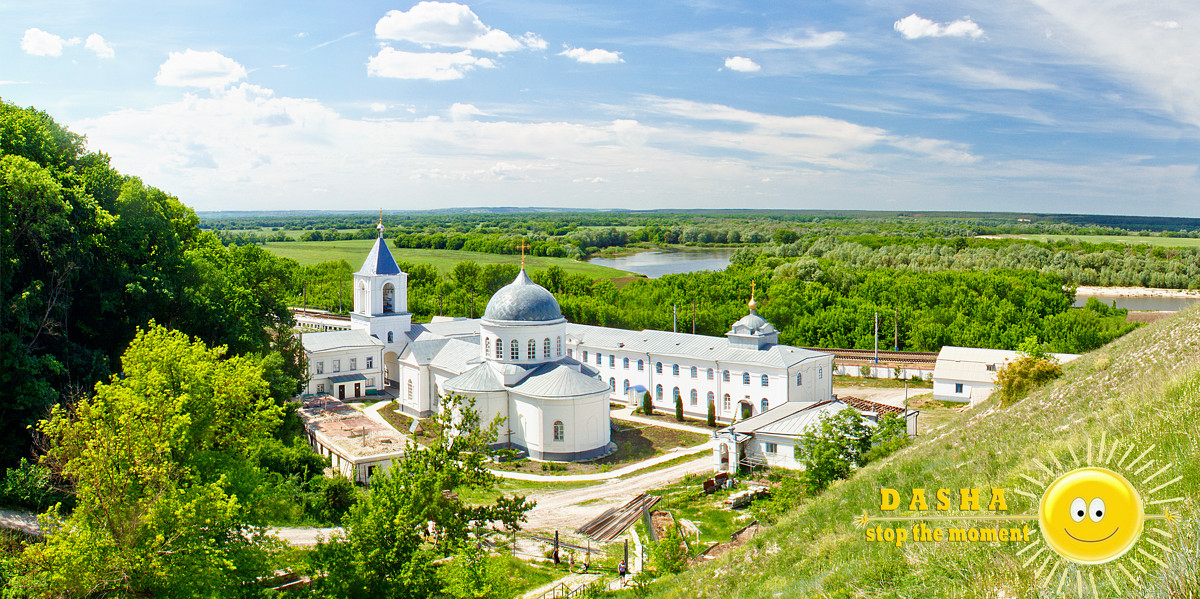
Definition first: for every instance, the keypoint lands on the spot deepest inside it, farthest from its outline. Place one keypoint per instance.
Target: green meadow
(355, 251)
(1173, 242)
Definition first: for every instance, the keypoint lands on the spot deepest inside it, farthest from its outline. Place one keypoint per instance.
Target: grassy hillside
(1142, 389)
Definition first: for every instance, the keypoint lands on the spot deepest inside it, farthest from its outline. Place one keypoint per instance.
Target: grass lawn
(866, 382)
(634, 443)
(661, 416)
(355, 251)
(935, 413)
(1176, 242)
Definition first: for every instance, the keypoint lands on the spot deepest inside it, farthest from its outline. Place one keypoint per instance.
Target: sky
(1068, 106)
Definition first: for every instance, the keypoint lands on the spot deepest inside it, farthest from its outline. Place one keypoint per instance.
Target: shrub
(1017, 378)
(832, 449)
(679, 408)
(647, 404)
(28, 486)
(865, 370)
(712, 413)
(890, 434)
(669, 554)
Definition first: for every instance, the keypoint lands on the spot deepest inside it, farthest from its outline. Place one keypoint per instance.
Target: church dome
(522, 301)
(754, 324)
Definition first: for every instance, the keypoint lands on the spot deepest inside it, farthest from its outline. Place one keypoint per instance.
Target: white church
(551, 381)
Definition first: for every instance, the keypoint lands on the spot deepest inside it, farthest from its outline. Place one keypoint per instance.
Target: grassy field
(355, 251)
(1141, 391)
(1175, 242)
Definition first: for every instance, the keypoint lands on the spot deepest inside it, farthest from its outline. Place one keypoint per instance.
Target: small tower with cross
(381, 294)
(752, 331)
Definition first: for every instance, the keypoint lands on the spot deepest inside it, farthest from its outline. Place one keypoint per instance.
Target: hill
(1142, 390)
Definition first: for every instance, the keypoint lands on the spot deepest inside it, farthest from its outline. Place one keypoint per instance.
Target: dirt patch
(738, 539)
(663, 523)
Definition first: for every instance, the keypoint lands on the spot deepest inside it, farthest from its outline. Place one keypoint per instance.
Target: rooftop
(686, 345)
(348, 431)
(329, 340)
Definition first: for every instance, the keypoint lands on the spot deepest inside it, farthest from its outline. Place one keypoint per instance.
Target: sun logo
(1092, 516)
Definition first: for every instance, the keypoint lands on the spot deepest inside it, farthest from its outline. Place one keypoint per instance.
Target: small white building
(355, 445)
(968, 374)
(344, 364)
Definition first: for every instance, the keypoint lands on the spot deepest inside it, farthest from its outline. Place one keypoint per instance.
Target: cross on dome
(380, 225)
(524, 246)
(753, 305)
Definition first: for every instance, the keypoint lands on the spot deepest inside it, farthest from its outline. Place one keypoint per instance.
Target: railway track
(885, 356)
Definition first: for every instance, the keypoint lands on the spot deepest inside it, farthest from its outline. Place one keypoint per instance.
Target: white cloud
(96, 44)
(593, 56)
(378, 107)
(743, 39)
(1166, 24)
(742, 64)
(913, 27)
(435, 66)
(41, 43)
(191, 68)
(463, 112)
(449, 24)
(993, 79)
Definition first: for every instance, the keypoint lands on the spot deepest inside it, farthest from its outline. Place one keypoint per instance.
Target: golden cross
(524, 246)
(381, 216)
(751, 290)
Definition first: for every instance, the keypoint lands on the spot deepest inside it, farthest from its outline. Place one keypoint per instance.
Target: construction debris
(614, 521)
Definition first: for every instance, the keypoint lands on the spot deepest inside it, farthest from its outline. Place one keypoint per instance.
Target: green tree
(890, 434)
(161, 464)
(647, 404)
(679, 408)
(669, 554)
(1021, 376)
(712, 413)
(412, 515)
(471, 574)
(833, 448)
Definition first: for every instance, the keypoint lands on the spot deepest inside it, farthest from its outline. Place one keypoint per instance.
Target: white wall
(972, 391)
(374, 373)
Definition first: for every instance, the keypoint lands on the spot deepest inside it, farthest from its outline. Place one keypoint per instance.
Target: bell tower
(381, 295)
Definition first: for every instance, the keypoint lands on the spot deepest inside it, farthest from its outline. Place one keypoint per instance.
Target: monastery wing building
(551, 381)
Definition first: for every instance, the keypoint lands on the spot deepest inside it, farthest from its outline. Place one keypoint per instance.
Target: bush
(679, 408)
(28, 486)
(331, 498)
(712, 413)
(647, 404)
(669, 555)
(891, 434)
(831, 450)
(1021, 376)
(864, 370)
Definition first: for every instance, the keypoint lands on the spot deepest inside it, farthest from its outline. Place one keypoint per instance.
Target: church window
(710, 374)
(546, 348)
(658, 393)
(693, 398)
(820, 373)
(487, 346)
(745, 378)
(799, 378)
(514, 351)
(765, 380)
(389, 336)
(499, 348)
(694, 372)
(725, 403)
(585, 356)
(389, 298)
(675, 394)
(675, 370)
(625, 363)
(598, 356)
(559, 431)
(641, 366)
(353, 363)
(370, 362)
(320, 387)
(320, 367)
(612, 384)
(764, 404)
(612, 361)
(626, 388)
(569, 353)
(558, 346)
(725, 376)
(532, 349)
(337, 365)
(711, 399)
(410, 395)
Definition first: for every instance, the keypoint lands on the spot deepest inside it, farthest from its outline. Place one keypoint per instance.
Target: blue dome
(523, 301)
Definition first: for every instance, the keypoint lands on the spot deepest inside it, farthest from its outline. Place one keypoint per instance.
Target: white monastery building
(551, 381)
(968, 374)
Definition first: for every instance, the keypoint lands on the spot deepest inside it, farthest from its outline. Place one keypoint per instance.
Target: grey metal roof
(314, 342)
(788, 420)
(686, 345)
(480, 379)
(379, 261)
(522, 301)
(346, 378)
(424, 350)
(456, 355)
(557, 380)
(754, 324)
(457, 327)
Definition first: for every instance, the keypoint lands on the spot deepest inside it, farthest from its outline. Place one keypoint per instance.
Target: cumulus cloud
(1166, 24)
(435, 66)
(742, 64)
(913, 27)
(96, 44)
(463, 112)
(378, 107)
(41, 43)
(593, 56)
(449, 24)
(191, 68)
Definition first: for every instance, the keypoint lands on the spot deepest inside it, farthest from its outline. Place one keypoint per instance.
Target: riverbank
(1092, 291)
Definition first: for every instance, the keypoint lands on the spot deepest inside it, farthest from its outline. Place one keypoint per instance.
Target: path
(23, 521)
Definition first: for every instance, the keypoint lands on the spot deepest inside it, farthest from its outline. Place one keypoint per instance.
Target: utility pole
(876, 337)
(472, 303)
(693, 316)
(339, 301)
(896, 339)
(674, 318)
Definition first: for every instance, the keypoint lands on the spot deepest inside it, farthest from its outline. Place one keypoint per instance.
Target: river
(657, 263)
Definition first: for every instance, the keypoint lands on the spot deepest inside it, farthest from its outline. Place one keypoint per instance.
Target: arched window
(532, 349)
(799, 378)
(658, 393)
(585, 356)
(389, 336)
(745, 378)
(625, 363)
(558, 346)
(765, 380)
(641, 366)
(675, 370)
(409, 390)
(710, 374)
(764, 404)
(499, 348)
(658, 367)
(725, 403)
(514, 351)
(612, 361)
(695, 373)
(560, 432)
(546, 348)
(711, 399)
(692, 400)
(725, 376)
(626, 387)
(612, 384)
(820, 373)
(675, 394)
(389, 298)
(487, 346)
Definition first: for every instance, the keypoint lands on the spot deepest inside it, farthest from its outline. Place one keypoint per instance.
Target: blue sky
(1082, 106)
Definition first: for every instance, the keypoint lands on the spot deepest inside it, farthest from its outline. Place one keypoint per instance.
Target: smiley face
(1091, 515)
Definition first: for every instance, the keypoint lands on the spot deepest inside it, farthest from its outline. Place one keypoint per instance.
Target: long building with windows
(550, 381)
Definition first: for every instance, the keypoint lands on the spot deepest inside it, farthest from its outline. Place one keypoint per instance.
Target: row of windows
(764, 380)
(726, 401)
(336, 365)
(515, 348)
(370, 384)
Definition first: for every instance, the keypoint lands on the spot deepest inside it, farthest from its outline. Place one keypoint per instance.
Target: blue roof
(379, 261)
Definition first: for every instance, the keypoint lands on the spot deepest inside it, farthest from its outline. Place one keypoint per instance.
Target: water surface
(657, 263)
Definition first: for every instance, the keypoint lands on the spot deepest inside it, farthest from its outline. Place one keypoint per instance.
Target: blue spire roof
(380, 260)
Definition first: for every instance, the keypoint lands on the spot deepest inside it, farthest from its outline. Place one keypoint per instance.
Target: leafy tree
(669, 554)
(160, 461)
(471, 574)
(833, 448)
(890, 435)
(412, 516)
(784, 236)
(1021, 376)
